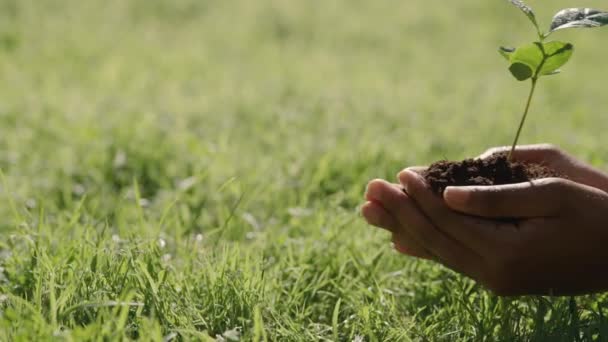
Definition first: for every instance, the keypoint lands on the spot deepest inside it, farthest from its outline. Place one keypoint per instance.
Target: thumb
(538, 198)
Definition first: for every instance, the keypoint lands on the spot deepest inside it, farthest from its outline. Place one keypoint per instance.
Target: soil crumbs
(495, 170)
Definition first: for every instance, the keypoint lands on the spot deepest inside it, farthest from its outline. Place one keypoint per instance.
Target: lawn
(192, 170)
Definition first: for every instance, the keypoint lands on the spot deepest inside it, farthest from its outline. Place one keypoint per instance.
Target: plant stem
(523, 118)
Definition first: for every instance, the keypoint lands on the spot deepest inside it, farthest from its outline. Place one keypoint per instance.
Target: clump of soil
(495, 170)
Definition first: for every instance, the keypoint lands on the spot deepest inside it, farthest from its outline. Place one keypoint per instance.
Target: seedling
(534, 60)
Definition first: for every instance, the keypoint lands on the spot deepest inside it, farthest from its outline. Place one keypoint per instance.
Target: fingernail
(456, 195)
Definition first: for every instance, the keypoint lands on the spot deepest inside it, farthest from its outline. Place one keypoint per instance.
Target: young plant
(534, 60)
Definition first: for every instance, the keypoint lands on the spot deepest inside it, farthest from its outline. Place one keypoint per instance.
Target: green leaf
(557, 54)
(538, 59)
(520, 71)
(527, 11)
(529, 54)
(579, 18)
(506, 52)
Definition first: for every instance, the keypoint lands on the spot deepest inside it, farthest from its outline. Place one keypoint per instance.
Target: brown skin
(558, 246)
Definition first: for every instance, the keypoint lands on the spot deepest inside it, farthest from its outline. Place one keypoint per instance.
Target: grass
(191, 170)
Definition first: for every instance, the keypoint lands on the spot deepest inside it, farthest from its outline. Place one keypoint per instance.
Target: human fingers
(383, 196)
(377, 216)
(538, 198)
(405, 246)
(474, 233)
(444, 249)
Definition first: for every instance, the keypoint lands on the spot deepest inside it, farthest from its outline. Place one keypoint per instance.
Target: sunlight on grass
(192, 169)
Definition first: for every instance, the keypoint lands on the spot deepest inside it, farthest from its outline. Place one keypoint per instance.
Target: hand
(382, 210)
(555, 247)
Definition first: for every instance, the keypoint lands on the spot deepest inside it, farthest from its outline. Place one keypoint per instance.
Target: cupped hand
(553, 244)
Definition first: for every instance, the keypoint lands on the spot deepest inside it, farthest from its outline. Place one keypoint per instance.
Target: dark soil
(495, 170)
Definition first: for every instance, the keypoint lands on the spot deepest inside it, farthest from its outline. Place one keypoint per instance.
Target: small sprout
(532, 61)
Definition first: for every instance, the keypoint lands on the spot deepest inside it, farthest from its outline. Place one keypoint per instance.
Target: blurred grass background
(185, 169)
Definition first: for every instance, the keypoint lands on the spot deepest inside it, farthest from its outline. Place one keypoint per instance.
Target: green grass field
(192, 170)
